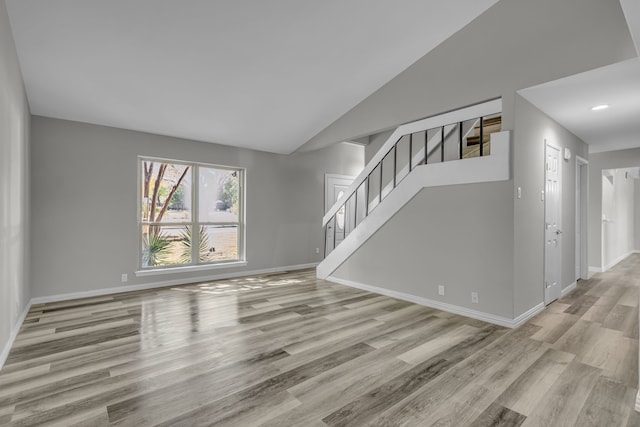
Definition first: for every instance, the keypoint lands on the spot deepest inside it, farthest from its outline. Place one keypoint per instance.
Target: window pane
(166, 245)
(219, 195)
(166, 192)
(218, 243)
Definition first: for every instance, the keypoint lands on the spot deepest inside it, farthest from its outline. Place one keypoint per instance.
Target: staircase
(440, 150)
(489, 126)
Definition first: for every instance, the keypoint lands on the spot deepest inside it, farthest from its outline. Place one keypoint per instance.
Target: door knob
(558, 232)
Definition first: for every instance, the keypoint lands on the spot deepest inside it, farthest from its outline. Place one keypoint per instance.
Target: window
(190, 214)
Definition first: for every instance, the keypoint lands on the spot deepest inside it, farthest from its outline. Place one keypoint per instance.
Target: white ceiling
(266, 75)
(569, 101)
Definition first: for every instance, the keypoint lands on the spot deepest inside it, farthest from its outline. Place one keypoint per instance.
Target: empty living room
(302, 213)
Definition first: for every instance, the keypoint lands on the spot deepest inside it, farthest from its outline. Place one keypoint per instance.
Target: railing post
(355, 209)
(481, 136)
(410, 151)
(460, 138)
(335, 225)
(346, 218)
(366, 198)
(442, 144)
(426, 145)
(325, 240)
(395, 164)
(380, 190)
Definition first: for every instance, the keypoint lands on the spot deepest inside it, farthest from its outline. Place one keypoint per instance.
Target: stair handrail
(468, 113)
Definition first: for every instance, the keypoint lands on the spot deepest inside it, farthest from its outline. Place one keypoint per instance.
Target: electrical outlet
(317, 250)
(440, 290)
(474, 297)
(124, 277)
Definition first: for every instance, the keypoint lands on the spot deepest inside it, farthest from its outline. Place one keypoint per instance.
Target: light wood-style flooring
(290, 350)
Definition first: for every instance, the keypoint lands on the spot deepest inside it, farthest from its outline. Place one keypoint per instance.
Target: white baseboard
(14, 333)
(451, 308)
(572, 287)
(121, 289)
(595, 269)
(618, 260)
(637, 408)
(165, 283)
(521, 320)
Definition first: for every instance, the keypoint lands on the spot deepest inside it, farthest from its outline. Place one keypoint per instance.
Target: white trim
(336, 175)
(617, 260)
(468, 171)
(612, 264)
(14, 333)
(637, 407)
(166, 283)
(195, 168)
(188, 268)
(520, 320)
(582, 219)
(451, 308)
(461, 115)
(566, 291)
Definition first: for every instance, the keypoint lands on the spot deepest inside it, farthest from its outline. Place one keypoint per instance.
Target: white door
(334, 187)
(552, 231)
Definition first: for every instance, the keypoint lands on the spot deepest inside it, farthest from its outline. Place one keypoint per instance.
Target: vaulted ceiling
(266, 75)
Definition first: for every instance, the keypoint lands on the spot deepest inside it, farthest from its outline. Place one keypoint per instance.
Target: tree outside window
(187, 221)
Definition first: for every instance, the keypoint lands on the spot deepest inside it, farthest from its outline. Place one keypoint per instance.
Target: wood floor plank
(255, 398)
(562, 405)
(606, 405)
(496, 415)
(288, 349)
(523, 395)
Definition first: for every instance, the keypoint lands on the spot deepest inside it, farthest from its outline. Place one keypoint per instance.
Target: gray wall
(452, 236)
(84, 202)
(376, 142)
(636, 214)
(479, 237)
(14, 168)
(513, 45)
(532, 127)
(597, 163)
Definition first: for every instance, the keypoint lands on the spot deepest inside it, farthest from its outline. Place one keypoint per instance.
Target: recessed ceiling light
(600, 107)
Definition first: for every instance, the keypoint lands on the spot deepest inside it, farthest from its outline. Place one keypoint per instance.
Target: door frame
(544, 230)
(582, 218)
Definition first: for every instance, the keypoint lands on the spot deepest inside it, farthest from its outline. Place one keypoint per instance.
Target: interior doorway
(619, 215)
(334, 187)
(582, 209)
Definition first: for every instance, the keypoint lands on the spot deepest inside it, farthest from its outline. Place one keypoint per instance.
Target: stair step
(474, 151)
(490, 125)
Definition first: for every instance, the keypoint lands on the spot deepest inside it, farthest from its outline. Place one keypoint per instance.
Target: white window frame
(194, 223)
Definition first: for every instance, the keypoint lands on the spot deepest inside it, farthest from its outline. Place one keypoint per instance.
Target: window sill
(188, 269)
